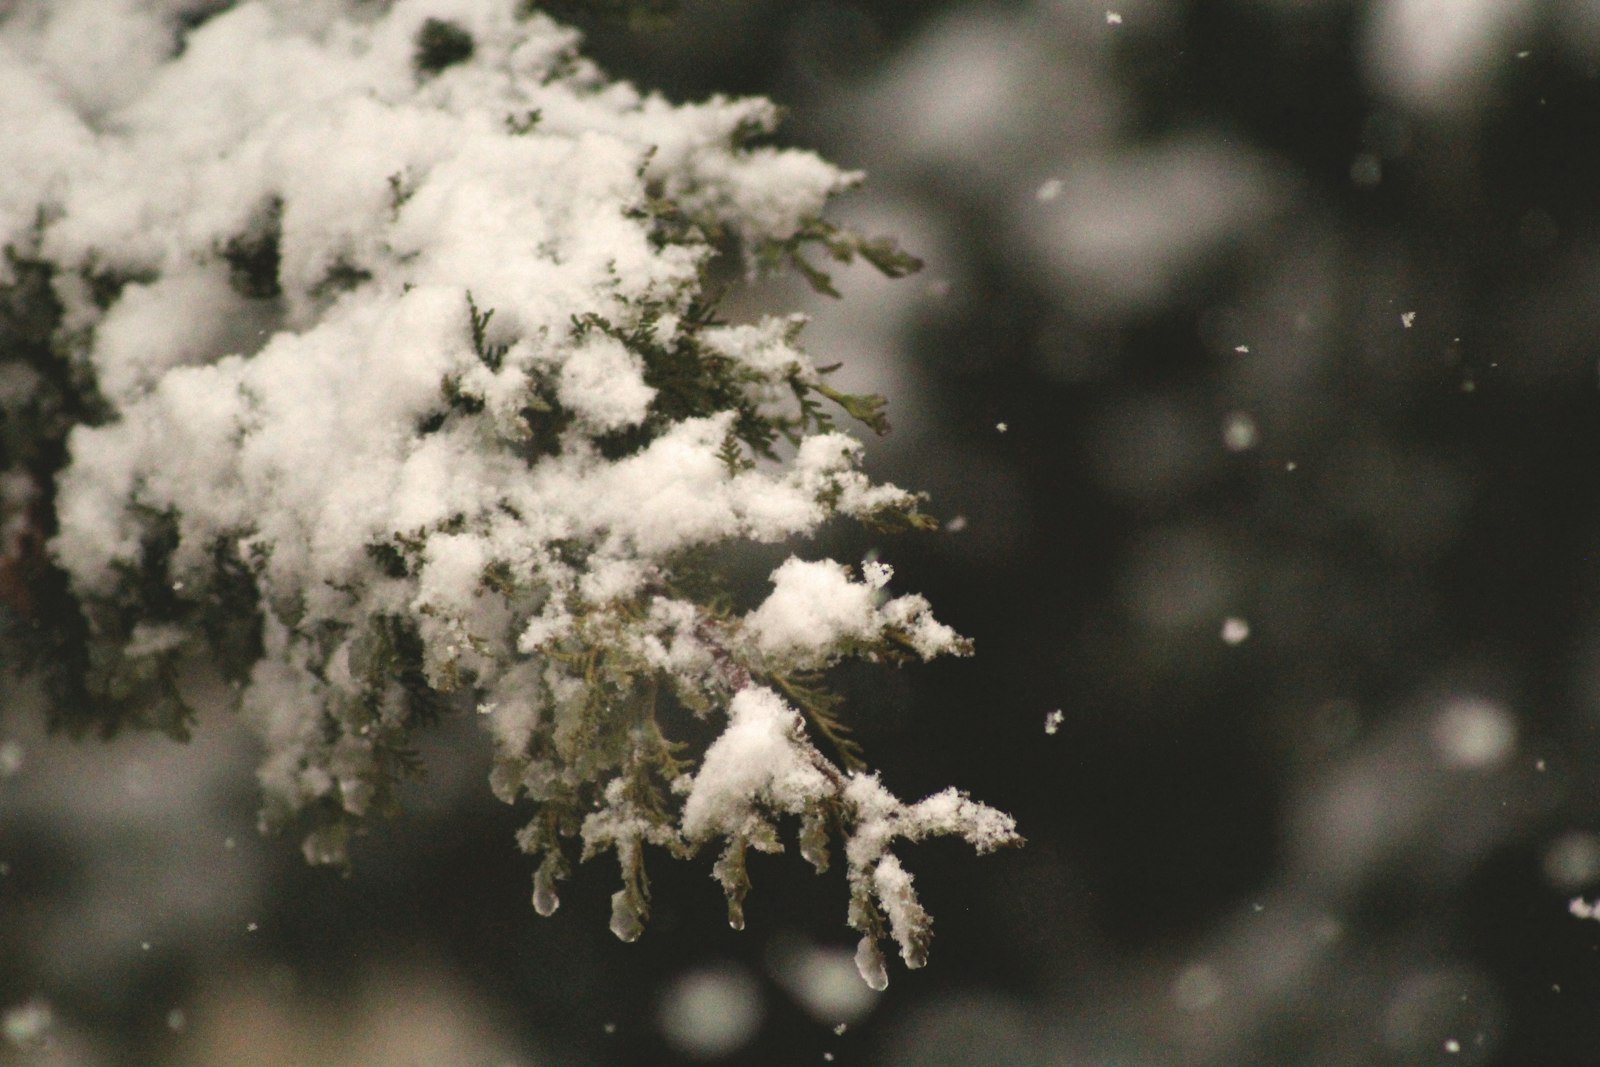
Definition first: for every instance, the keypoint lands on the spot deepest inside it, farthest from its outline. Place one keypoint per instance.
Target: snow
(770, 191)
(45, 139)
(452, 570)
(671, 643)
(181, 319)
(603, 383)
(100, 51)
(870, 964)
(674, 493)
(951, 811)
(609, 580)
(812, 606)
(912, 615)
(271, 247)
(816, 608)
(759, 759)
(513, 717)
(763, 346)
(893, 885)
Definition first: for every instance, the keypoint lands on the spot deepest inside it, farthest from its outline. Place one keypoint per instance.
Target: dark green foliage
(193, 16)
(132, 692)
(29, 310)
(229, 611)
(390, 560)
(842, 246)
(546, 421)
(897, 520)
(388, 652)
(106, 285)
(439, 45)
(690, 380)
(492, 354)
(113, 664)
(542, 414)
(393, 700)
(147, 591)
(400, 190)
(811, 695)
(733, 456)
(424, 704)
(671, 225)
(866, 408)
(254, 257)
(693, 380)
(42, 629)
(33, 421)
(342, 277)
(129, 680)
(524, 123)
(465, 403)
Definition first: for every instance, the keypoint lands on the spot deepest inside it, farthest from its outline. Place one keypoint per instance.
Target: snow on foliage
(394, 385)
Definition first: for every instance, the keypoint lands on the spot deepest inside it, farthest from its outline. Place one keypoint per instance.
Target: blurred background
(1254, 374)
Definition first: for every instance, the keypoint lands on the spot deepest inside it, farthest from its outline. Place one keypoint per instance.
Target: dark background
(1170, 255)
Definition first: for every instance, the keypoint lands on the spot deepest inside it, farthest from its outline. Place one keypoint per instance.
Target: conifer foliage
(370, 354)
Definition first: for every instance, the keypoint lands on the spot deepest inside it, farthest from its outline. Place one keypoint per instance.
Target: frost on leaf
(369, 356)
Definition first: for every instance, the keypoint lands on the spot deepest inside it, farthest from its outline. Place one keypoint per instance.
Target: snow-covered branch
(384, 373)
